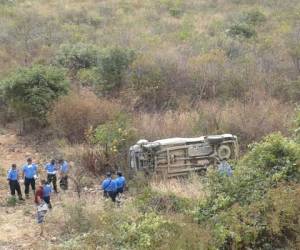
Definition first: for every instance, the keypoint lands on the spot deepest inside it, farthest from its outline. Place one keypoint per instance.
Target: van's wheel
(224, 152)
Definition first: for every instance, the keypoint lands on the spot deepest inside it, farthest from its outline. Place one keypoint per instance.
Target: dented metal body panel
(180, 156)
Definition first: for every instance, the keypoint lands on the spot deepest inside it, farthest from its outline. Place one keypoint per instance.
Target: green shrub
(113, 66)
(77, 220)
(11, 201)
(277, 156)
(253, 17)
(270, 162)
(271, 223)
(78, 56)
(242, 30)
(32, 91)
(147, 232)
(162, 203)
(113, 136)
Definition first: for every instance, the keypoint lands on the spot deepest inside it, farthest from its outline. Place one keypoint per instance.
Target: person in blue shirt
(224, 168)
(13, 181)
(30, 174)
(64, 169)
(109, 187)
(121, 182)
(47, 190)
(51, 169)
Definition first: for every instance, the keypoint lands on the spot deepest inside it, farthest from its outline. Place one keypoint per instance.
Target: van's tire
(214, 139)
(224, 152)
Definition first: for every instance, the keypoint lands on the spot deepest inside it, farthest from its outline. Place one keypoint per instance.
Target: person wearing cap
(47, 190)
(13, 181)
(109, 187)
(64, 169)
(29, 171)
(51, 174)
(120, 182)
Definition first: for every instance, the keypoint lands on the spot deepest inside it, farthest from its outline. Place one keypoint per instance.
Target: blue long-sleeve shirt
(64, 167)
(109, 185)
(120, 181)
(12, 174)
(30, 170)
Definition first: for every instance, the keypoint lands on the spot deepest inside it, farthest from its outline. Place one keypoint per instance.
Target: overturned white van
(180, 156)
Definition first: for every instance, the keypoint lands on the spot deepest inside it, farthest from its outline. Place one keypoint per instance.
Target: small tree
(31, 91)
(113, 66)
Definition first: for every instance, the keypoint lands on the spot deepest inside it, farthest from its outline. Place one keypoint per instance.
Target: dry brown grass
(163, 125)
(191, 188)
(74, 114)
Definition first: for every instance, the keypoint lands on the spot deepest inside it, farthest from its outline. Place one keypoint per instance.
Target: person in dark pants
(47, 190)
(64, 169)
(109, 187)
(51, 174)
(30, 174)
(13, 180)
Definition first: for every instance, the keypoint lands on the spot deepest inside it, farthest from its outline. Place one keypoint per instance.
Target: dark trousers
(29, 182)
(47, 200)
(52, 178)
(63, 183)
(110, 194)
(15, 186)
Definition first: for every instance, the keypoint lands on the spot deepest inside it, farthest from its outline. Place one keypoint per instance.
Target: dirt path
(18, 227)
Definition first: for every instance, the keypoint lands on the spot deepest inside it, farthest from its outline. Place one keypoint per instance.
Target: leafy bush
(113, 136)
(113, 66)
(78, 56)
(245, 25)
(11, 201)
(73, 115)
(277, 157)
(241, 30)
(268, 224)
(32, 91)
(150, 201)
(239, 208)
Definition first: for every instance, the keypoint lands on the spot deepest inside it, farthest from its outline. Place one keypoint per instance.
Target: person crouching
(109, 187)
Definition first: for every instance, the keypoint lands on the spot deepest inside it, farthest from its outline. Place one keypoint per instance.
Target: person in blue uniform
(121, 182)
(13, 181)
(64, 169)
(30, 174)
(109, 187)
(51, 169)
(47, 190)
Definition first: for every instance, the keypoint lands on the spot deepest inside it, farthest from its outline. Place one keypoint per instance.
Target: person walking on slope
(13, 181)
(41, 206)
(64, 169)
(47, 190)
(51, 174)
(109, 187)
(121, 182)
(30, 174)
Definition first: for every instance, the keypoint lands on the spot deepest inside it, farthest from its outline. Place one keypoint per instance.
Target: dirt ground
(18, 225)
